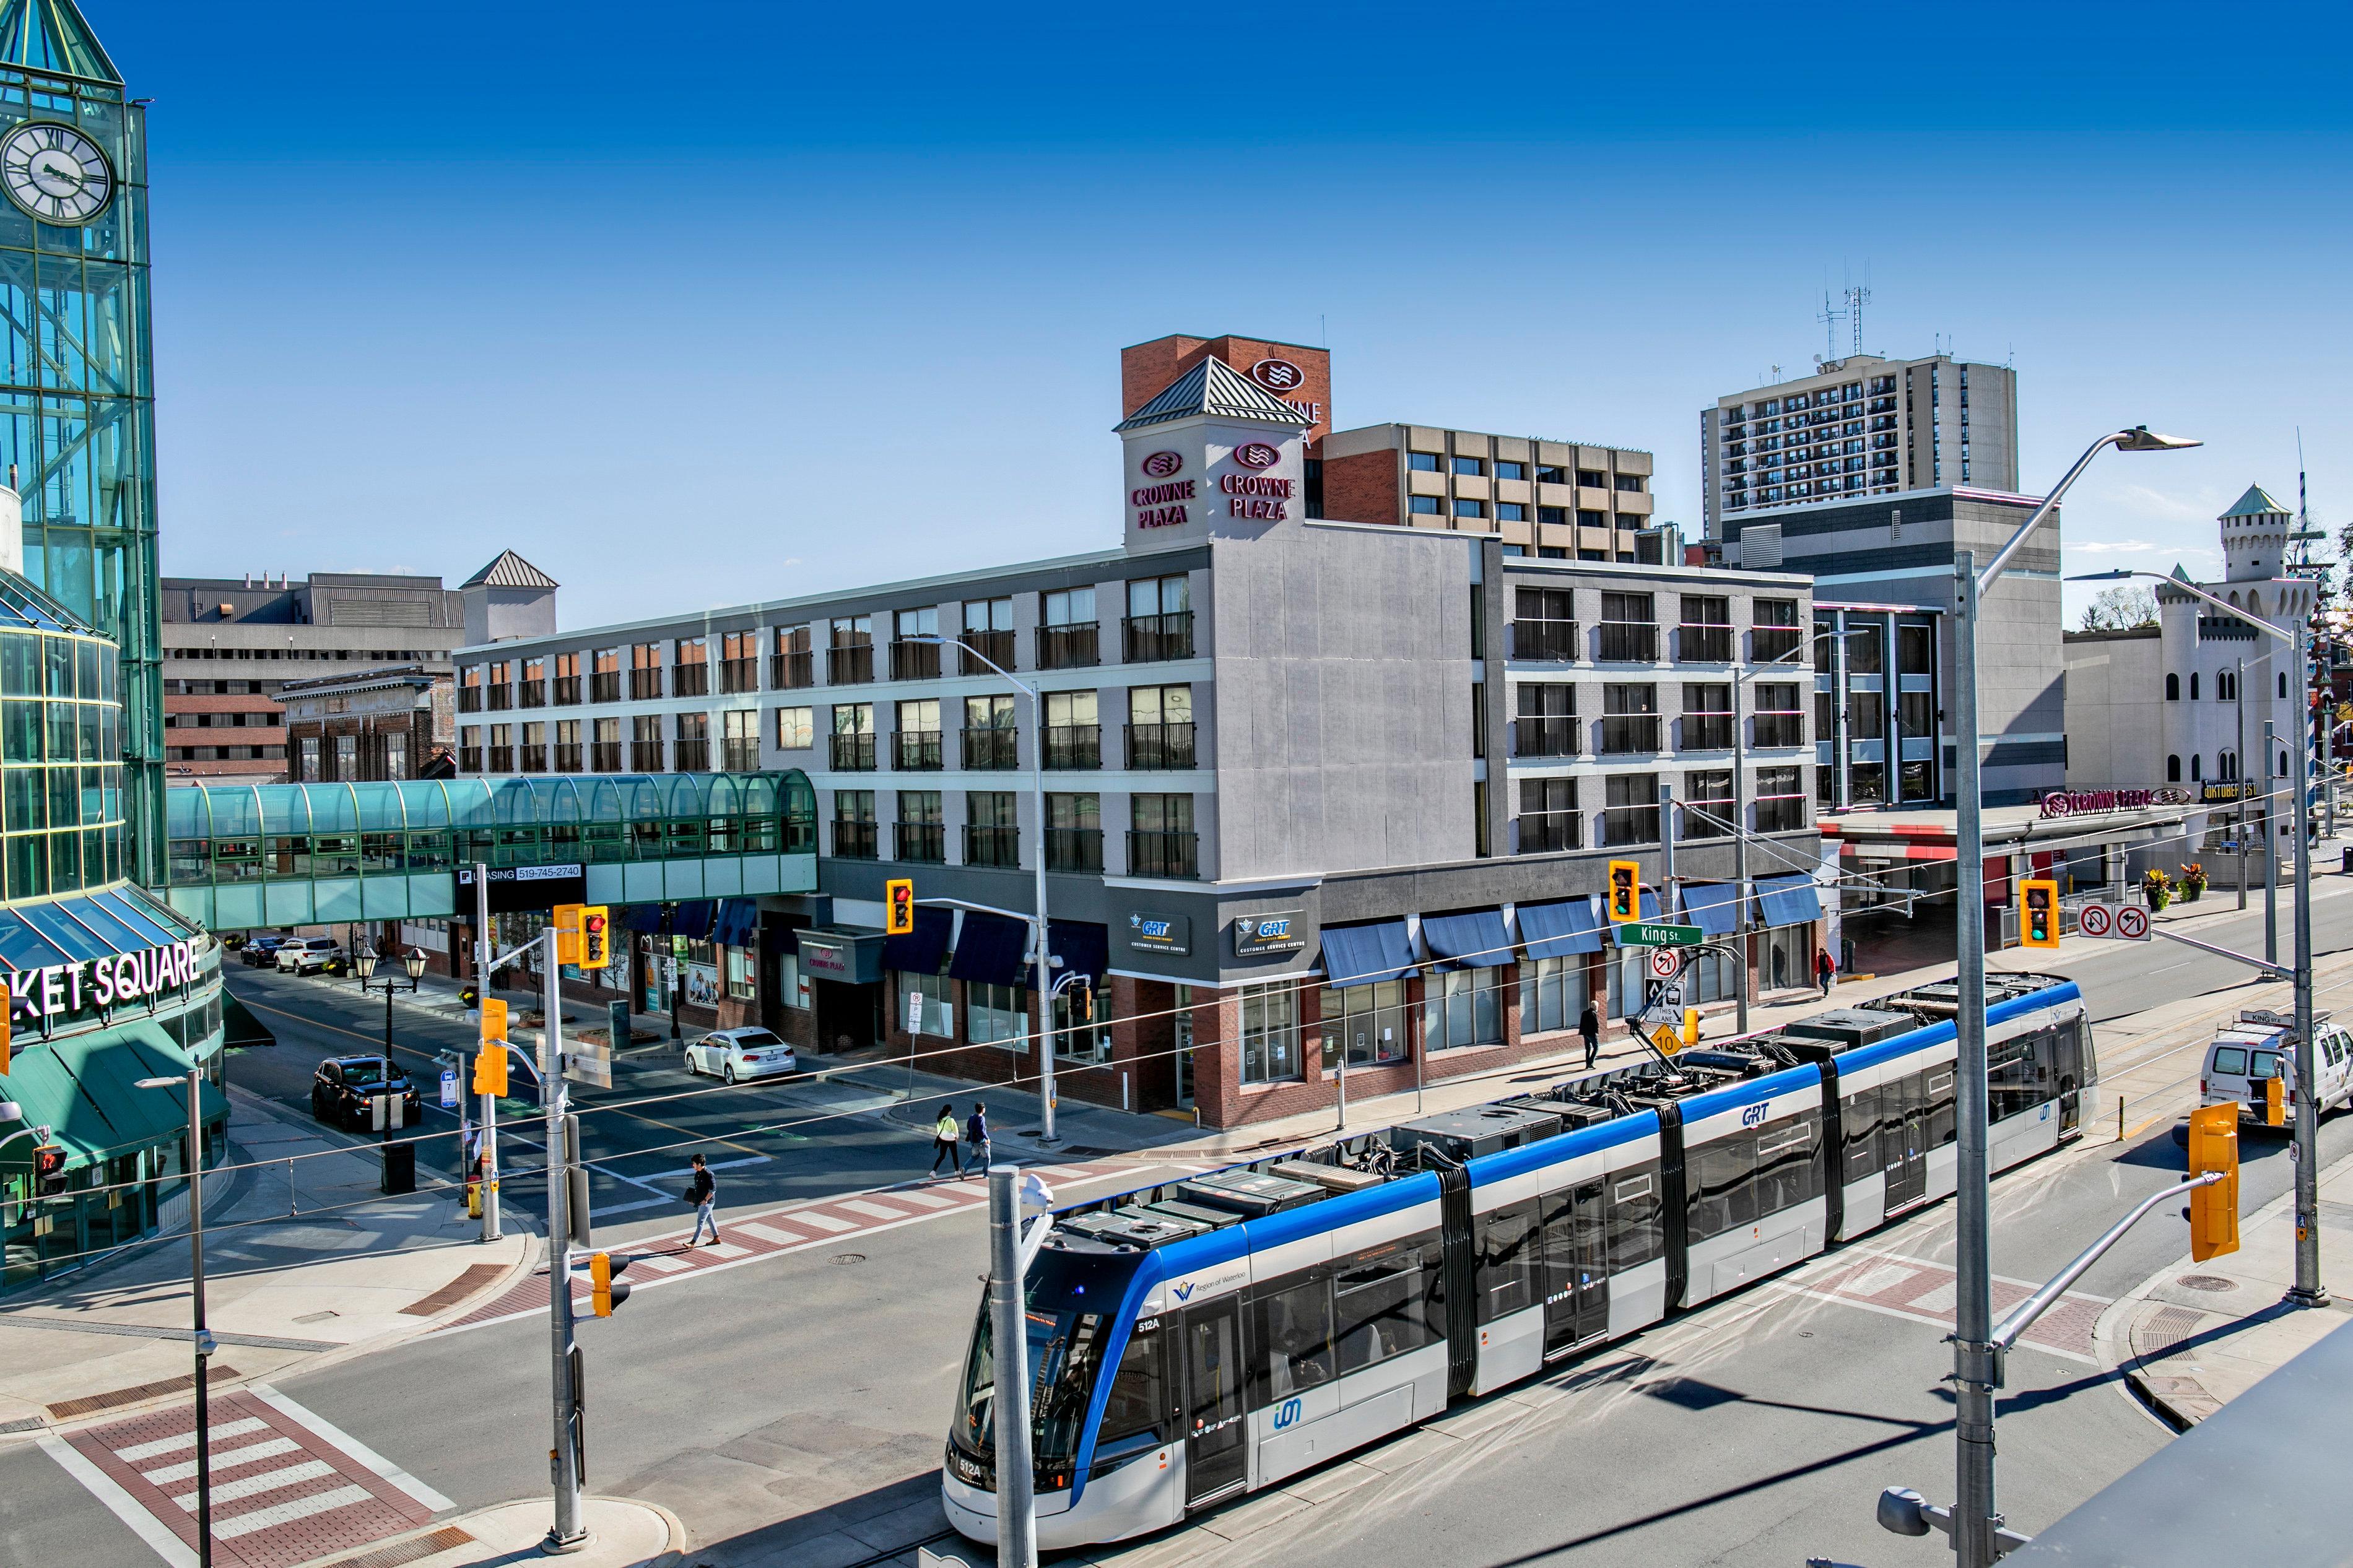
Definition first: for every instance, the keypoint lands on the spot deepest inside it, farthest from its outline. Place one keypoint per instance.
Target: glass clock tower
(77, 363)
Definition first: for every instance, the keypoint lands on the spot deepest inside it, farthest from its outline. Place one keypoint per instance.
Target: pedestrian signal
(1625, 890)
(596, 937)
(1082, 1003)
(48, 1171)
(2275, 1102)
(490, 1070)
(494, 1019)
(2214, 1208)
(2039, 926)
(898, 899)
(567, 934)
(606, 1292)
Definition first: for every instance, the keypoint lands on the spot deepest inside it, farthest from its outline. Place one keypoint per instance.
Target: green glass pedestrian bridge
(244, 856)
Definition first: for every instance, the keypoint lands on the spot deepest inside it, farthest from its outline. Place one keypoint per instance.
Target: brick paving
(1922, 1291)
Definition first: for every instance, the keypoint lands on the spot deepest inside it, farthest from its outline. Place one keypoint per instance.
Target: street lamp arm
(2124, 573)
(2137, 440)
(959, 643)
(2022, 1316)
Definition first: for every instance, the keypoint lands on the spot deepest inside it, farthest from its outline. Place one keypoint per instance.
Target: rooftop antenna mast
(1831, 315)
(1858, 295)
(2305, 534)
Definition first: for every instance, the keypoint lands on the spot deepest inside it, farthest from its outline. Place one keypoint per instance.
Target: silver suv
(311, 956)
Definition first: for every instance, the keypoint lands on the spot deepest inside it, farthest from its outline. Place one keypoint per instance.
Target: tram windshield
(1072, 1298)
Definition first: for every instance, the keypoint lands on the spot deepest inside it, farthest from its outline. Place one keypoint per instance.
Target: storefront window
(1463, 1007)
(1788, 956)
(1367, 1021)
(1080, 1042)
(937, 1016)
(1553, 993)
(743, 977)
(1269, 1032)
(999, 1014)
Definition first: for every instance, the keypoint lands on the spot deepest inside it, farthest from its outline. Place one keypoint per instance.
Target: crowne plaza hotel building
(1326, 778)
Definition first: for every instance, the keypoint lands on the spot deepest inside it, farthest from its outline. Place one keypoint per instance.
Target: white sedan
(736, 1054)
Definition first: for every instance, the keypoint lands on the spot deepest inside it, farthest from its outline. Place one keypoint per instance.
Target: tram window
(1138, 1403)
(1507, 1261)
(1858, 1116)
(1942, 1120)
(2013, 1084)
(1784, 1164)
(1723, 1192)
(1633, 1218)
(1377, 1311)
(1295, 1330)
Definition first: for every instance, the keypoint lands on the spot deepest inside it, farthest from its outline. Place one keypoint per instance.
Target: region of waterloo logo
(1278, 376)
(1257, 455)
(1160, 465)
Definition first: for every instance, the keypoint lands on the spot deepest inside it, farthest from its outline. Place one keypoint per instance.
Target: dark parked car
(343, 1086)
(261, 952)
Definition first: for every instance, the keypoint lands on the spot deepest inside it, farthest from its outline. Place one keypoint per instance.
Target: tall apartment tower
(1860, 426)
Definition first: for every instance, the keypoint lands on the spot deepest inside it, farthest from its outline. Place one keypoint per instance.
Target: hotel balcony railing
(469, 759)
(502, 699)
(915, 662)
(690, 680)
(1707, 733)
(1554, 641)
(645, 684)
(645, 756)
(997, 645)
(992, 845)
(915, 751)
(1703, 645)
(1630, 824)
(854, 840)
(605, 686)
(1074, 746)
(1767, 644)
(1780, 730)
(1546, 831)
(739, 675)
(1707, 819)
(1630, 642)
(605, 756)
(531, 694)
(1546, 736)
(791, 671)
(1069, 648)
(690, 756)
(568, 759)
(1147, 639)
(739, 754)
(991, 749)
(502, 759)
(853, 754)
(919, 841)
(1163, 854)
(1160, 746)
(567, 692)
(1780, 813)
(1625, 733)
(1074, 849)
(470, 700)
(849, 666)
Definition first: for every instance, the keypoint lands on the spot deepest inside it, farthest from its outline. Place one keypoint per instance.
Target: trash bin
(2346, 864)
(399, 1168)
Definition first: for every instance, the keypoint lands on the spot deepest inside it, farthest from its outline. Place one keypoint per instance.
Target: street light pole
(204, 1339)
(2271, 849)
(1038, 803)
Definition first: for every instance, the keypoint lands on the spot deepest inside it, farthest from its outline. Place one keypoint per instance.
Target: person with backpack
(1588, 1024)
(701, 1191)
(975, 1137)
(943, 1141)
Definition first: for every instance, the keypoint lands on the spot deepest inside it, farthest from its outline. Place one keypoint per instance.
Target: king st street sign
(1636, 934)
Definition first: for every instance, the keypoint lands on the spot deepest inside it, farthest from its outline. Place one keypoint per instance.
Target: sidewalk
(306, 1262)
(2195, 1336)
(624, 1533)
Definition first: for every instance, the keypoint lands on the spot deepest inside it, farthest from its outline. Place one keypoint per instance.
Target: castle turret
(2255, 537)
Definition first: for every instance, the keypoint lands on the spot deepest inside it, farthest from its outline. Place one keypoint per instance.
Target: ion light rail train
(1203, 1338)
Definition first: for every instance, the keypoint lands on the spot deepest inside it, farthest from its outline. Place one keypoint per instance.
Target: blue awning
(1713, 907)
(988, 950)
(1788, 900)
(920, 951)
(1650, 912)
(1561, 929)
(1365, 954)
(1475, 939)
(644, 918)
(738, 922)
(1084, 947)
(693, 920)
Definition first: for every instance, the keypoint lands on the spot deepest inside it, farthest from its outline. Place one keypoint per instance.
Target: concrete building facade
(1559, 501)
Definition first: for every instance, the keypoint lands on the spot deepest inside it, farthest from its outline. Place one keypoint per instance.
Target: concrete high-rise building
(1859, 427)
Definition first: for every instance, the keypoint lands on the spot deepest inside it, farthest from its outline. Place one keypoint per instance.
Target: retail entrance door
(848, 1017)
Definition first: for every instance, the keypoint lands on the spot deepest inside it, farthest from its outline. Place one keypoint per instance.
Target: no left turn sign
(2132, 923)
(1666, 962)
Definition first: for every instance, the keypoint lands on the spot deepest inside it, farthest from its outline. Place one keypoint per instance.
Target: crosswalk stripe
(267, 1481)
(287, 1512)
(827, 1221)
(138, 1451)
(924, 1200)
(727, 1249)
(872, 1211)
(223, 1459)
(664, 1265)
(769, 1234)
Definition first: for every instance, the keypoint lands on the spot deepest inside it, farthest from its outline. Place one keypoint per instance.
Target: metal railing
(690, 680)
(567, 758)
(500, 698)
(1768, 645)
(915, 751)
(1543, 832)
(996, 646)
(915, 662)
(920, 841)
(1781, 728)
(992, 845)
(991, 749)
(854, 840)
(1069, 746)
(690, 756)
(1630, 824)
(1555, 641)
(791, 671)
(605, 756)
(1629, 642)
(739, 675)
(853, 754)
(739, 754)
(470, 700)
(1780, 813)
(1550, 735)
(1160, 746)
(605, 686)
(849, 666)
(567, 692)
(645, 684)
(1069, 648)
(1626, 733)
(1160, 853)
(1705, 644)
(469, 759)
(1145, 640)
(1707, 733)
(502, 759)
(645, 756)
(1074, 849)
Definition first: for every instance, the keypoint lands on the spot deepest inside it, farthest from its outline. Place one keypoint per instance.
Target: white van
(2246, 1056)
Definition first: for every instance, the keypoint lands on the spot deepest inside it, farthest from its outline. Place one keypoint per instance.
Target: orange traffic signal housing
(1625, 890)
(2038, 925)
(2214, 1208)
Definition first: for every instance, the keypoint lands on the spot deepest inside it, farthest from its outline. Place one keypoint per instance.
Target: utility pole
(2239, 703)
(567, 1535)
(2307, 1291)
(1740, 860)
(1016, 1536)
(490, 1101)
(2271, 849)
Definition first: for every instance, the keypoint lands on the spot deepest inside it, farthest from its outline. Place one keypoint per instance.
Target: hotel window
(853, 736)
(919, 831)
(1160, 727)
(469, 688)
(1073, 736)
(1463, 1007)
(1469, 507)
(854, 836)
(1367, 1022)
(796, 729)
(1472, 468)
(1423, 506)
(1548, 820)
(991, 834)
(996, 1015)
(605, 676)
(567, 746)
(605, 746)
(849, 650)
(1421, 462)
(690, 676)
(1707, 716)
(1631, 809)
(913, 656)
(987, 630)
(1707, 804)
(792, 667)
(739, 661)
(1780, 801)
(1074, 833)
(740, 740)
(567, 679)
(691, 754)
(1269, 1032)
(1159, 623)
(1592, 479)
(646, 743)
(469, 749)
(645, 670)
(1067, 629)
(1161, 841)
(1510, 511)
(501, 684)
(1507, 469)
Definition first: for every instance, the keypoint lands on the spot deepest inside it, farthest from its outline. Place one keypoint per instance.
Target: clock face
(55, 173)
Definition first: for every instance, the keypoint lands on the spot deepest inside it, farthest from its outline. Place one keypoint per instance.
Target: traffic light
(494, 1019)
(48, 1171)
(2214, 1208)
(491, 1069)
(567, 934)
(1083, 1002)
(2040, 927)
(606, 1291)
(2276, 1101)
(1625, 890)
(898, 899)
(596, 937)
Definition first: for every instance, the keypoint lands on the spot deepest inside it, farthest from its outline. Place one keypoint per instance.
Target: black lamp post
(364, 963)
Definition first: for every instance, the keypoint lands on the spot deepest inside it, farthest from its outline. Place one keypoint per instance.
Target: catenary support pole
(1044, 954)
(490, 1101)
(2271, 845)
(1974, 1520)
(1740, 862)
(204, 1339)
(567, 1533)
(2307, 1291)
(2238, 704)
(1016, 1538)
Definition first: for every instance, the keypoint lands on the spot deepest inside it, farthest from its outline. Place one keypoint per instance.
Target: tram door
(1216, 1441)
(1576, 1265)
(1903, 1139)
(2063, 1060)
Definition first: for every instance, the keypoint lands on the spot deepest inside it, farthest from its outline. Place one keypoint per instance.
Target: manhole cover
(2206, 1282)
(847, 1257)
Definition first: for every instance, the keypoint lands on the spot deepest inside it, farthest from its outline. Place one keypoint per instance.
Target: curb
(671, 1553)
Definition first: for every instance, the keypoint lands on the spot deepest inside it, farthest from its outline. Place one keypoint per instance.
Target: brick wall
(1146, 369)
(1362, 487)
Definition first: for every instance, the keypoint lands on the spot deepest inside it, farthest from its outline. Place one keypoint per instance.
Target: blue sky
(693, 305)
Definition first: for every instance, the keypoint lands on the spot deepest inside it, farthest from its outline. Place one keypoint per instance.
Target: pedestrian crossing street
(287, 1488)
(666, 1259)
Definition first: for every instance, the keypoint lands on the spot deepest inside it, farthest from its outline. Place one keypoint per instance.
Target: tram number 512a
(1288, 1416)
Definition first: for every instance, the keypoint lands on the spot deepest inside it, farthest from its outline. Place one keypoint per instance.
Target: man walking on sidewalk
(1823, 970)
(1588, 1024)
(701, 1191)
(976, 1138)
(944, 1143)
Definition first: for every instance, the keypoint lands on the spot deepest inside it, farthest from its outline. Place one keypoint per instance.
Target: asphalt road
(792, 1410)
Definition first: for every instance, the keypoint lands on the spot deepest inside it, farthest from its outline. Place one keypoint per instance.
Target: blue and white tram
(1197, 1339)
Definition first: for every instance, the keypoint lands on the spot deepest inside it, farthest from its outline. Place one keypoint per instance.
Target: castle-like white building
(2184, 703)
